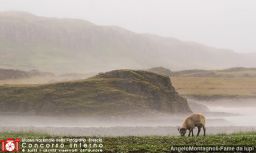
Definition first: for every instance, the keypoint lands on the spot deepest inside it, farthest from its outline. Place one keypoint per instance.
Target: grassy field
(157, 144)
(215, 86)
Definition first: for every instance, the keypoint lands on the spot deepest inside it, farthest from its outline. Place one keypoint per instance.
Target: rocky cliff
(119, 92)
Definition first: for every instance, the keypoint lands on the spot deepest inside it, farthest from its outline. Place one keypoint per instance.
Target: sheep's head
(182, 131)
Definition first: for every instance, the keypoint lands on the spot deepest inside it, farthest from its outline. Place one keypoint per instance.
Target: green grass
(157, 144)
(10, 134)
(163, 144)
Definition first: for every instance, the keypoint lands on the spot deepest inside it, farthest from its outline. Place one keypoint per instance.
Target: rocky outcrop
(119, 92)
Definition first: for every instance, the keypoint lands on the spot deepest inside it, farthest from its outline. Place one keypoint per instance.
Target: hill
(230, 72)
(78, 46)
(19, 77)
(18, 74)
(237, 82)
(119, 92)
(161, 71)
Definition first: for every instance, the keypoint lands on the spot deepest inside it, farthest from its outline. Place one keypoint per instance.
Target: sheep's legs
(189, 133)
(204, 130)
(198, 132)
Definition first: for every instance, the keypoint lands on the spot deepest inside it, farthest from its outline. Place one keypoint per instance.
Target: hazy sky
(220, 23)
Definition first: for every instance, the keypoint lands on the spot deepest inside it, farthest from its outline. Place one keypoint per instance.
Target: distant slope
(160, 70)
(120, 92)
(18, 74)
(78, 46)
(230, 72)
(237, 82)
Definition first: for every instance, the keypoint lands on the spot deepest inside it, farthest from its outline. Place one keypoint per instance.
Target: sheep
(192, 121)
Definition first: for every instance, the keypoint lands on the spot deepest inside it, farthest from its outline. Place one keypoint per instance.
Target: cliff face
(154, 91)
(119, 92)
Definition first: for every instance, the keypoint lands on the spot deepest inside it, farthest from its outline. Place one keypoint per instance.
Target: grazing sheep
(192, 121)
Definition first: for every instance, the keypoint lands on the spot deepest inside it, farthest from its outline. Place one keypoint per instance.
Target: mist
(223, 116)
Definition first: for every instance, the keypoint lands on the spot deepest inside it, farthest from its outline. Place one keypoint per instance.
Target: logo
(10, 145)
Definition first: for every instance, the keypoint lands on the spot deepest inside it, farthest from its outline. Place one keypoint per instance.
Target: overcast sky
(220, 23)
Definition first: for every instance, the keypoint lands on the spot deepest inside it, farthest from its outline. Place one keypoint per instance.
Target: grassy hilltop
(117, 92)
